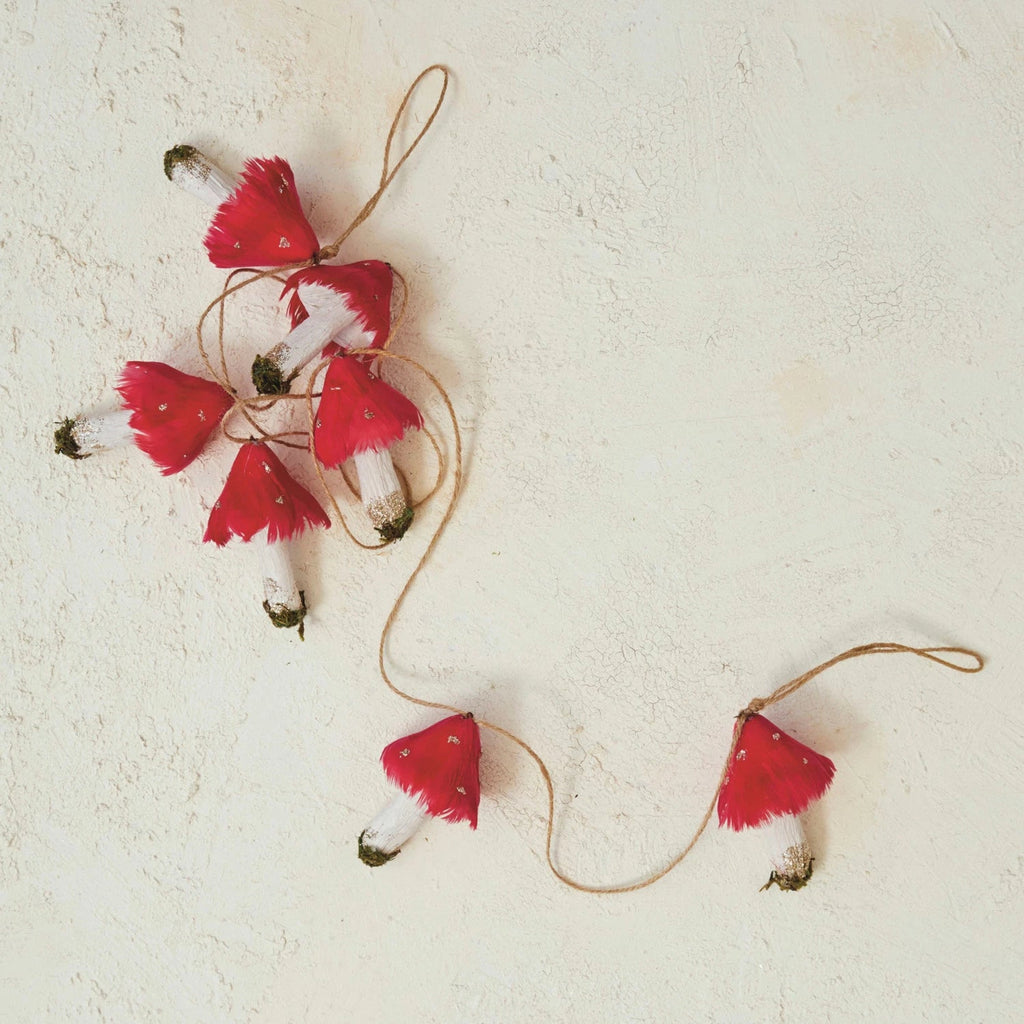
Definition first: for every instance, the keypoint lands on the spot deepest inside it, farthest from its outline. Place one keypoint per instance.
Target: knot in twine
(755, 707)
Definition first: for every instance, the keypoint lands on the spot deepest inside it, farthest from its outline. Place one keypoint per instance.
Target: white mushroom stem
(86, 435)
(331, 318)
(381, 493)
(197, 175)
(390, 830)
(790, 854)
(284, 603)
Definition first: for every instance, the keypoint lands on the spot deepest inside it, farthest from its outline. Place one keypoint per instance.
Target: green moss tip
(789, 883)
(371, 856)
(396, 529)
(288, 618)
(267, 377)
(177, 155)
(64, 442)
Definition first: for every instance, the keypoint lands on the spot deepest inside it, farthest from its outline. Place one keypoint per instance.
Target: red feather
(358, 412)
(260, 493)
(173, 413)
(439, 767)
(261, 224)
(366, 286)
(771, 774)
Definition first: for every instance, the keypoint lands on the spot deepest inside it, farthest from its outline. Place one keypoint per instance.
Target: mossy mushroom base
(396, 529)
(792, 870)
(288, 618)
(64, 442)
(268, 378)
(373, 857)
(176, 155)
(788, 883)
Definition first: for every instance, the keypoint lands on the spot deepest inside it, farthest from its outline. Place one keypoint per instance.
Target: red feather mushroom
(771, 779)
(360, 417)
(349, 305)
(261, 224)
(167, 414)
(261, 497)
(437, 774)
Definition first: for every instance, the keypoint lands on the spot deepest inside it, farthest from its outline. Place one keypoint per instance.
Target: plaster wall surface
(728, 300)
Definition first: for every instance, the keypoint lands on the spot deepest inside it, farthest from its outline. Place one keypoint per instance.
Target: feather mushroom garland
(360, 417)
(437, 772)
(165, 413)
(261, 498)
(771, 779)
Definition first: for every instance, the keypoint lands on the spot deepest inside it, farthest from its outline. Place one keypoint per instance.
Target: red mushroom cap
(261, 224)
(259, 493)
(439, 767)
(771, 774)
(358, 412)
(366, 285)
(172, 413)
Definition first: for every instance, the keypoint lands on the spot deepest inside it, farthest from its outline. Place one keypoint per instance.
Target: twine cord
(248, 407)
(431, 545)
(387, 174)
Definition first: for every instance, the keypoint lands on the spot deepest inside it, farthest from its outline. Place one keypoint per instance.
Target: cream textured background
(730, 305)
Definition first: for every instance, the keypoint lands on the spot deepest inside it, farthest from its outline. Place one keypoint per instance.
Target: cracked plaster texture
(728, 300)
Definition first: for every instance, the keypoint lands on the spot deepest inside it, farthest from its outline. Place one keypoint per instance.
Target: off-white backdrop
(728, 298)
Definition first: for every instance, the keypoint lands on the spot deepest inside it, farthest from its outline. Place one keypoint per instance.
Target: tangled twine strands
(222, 377)
(262, 403)
(248, 407)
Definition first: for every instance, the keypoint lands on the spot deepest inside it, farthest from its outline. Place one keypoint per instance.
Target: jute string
(247, 407)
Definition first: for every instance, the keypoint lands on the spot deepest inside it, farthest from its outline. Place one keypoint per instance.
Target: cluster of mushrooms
(334, 310)
(340, 313)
